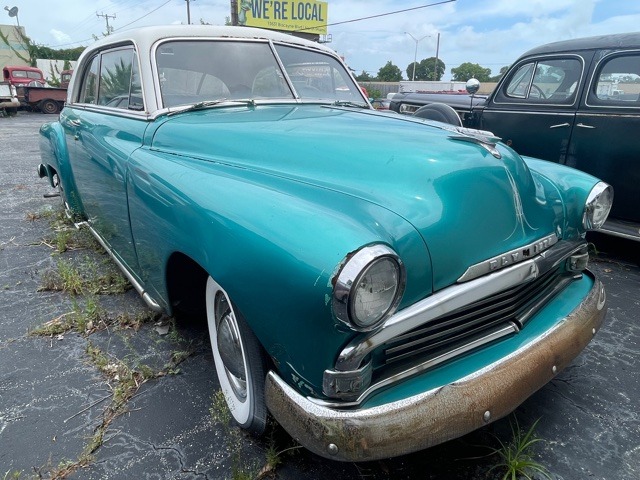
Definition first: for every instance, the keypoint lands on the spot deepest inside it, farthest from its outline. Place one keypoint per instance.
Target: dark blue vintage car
(575, 102)
(375, 298)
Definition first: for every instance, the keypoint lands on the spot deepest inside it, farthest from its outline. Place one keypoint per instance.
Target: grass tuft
(517, 457)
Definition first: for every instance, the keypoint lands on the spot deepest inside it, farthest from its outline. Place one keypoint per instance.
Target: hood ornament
(483, 138)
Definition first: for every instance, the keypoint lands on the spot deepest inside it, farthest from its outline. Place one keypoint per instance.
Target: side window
(618, 81)
(115, 78)
(89, 89)
(135, 97)
(519, 84)
(552, 81)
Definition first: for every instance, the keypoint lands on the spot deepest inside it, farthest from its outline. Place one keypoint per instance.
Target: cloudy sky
(492, 33)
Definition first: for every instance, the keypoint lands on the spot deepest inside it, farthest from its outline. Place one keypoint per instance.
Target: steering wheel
(540, 93)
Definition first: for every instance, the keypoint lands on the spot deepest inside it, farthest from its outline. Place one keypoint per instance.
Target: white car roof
(145, 37)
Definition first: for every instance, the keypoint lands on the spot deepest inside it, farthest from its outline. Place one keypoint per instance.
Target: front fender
(273, 244)
(564, 185)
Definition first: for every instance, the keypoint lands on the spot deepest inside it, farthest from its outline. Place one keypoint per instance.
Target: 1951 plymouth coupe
(575, 102)
(376, 299)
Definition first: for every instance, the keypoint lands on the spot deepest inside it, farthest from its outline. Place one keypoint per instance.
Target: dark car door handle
(561, 125)
(582, 125)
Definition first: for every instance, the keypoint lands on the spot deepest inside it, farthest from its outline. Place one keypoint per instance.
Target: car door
(604, 142)
(104, 127)
(533, 110)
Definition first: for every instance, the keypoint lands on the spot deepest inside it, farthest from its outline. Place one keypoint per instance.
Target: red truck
(32, 90)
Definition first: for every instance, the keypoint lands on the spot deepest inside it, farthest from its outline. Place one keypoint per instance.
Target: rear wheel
(239, 358)
(49, 106)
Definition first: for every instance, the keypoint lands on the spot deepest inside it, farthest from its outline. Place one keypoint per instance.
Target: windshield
(193, 71)
(317, 76)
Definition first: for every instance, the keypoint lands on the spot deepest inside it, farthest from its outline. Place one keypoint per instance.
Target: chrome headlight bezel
(597, 206)
(353, 269)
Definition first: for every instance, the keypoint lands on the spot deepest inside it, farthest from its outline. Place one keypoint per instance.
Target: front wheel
(239, 358)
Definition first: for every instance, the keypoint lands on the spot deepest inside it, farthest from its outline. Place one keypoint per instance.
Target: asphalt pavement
(126, 394)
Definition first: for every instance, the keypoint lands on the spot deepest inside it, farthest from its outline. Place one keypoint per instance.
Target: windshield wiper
(346, 103)
(212, 103)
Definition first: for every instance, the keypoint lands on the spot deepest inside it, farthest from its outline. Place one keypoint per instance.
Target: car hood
(467, 204)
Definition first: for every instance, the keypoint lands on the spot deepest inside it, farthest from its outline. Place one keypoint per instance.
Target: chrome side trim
(452, 298)
(148, 299)
(622, 229)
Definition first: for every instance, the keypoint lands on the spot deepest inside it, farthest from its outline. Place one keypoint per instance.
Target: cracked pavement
(52, 397)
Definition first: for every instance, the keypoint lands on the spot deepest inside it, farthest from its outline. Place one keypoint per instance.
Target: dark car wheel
(239, 358)
(440, 113)
(49, 106)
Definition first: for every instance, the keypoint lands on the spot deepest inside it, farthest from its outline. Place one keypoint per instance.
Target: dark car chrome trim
(622, 229)
(590, 97)
(452, 298)
(508, 100)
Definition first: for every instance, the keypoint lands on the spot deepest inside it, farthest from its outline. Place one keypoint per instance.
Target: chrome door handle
(561, 125)
(582, 125)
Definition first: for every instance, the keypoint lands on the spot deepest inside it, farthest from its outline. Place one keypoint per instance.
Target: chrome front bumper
(443, 413)
(13, 103)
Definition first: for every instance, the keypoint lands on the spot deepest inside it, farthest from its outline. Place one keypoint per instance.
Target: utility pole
(435, 71)
(106, 18)
(415, 54)
(234, 12)
(189, 11)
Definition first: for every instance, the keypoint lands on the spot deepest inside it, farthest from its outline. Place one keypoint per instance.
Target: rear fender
(54, 153)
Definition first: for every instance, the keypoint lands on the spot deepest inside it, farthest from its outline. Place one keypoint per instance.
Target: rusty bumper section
(443, 413)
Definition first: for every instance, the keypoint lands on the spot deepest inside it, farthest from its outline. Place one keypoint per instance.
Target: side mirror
(472, 86)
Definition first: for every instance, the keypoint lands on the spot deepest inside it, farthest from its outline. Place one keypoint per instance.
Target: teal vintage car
(376, 298)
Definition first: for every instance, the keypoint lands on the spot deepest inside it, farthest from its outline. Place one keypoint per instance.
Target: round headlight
(368, 288)
(598, 206)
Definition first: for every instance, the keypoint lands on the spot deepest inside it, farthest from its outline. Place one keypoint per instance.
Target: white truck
(8, 99)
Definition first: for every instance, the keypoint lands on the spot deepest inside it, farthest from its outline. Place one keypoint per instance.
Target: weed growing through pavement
(82, 319)
(124, 382)
(240, 469)
(12, 475)
(517, 455)
(87, 277)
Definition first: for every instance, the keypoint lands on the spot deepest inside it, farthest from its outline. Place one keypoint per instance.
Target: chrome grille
(505, 312)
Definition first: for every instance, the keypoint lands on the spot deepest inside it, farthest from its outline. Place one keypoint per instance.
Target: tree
(469, 70)
(389, 73)
(39, 51)
(497, 78)
(425, 69)
(364, 77)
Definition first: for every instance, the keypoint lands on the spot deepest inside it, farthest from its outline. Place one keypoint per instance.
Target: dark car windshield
(193, 71)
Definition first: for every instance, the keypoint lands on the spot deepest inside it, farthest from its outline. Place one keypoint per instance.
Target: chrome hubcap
(230, 347)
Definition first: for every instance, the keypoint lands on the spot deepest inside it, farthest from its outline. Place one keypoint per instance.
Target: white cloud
(60, 37)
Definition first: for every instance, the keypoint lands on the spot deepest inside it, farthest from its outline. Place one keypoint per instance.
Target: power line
(381, 15)
(145, 15)
(116, 30)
